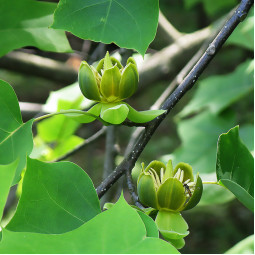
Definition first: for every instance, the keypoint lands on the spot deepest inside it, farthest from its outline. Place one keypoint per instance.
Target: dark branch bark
(128, 163)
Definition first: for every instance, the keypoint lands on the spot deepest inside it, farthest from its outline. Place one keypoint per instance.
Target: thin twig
(131, 189)
(128, 163)
(109, 160)
(86, 142)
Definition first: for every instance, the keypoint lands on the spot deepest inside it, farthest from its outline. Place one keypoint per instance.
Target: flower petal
(171, 195)
(146, 190)
(196, 196)
(188, 171)
(88, 83)
(129, 81)
(110, 84)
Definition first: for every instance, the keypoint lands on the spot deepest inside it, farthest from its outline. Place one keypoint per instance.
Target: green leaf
(7, 173)
(59, 127)
(235, 167)
(56, 198)
(71, 93)
(127, 236)
(205, 128)
(129, 24)
(16, 139)
(243, 35)
(218, 92)
(246, 246)
(143, 116)
(114, 113)
(150, 225)
(26, 23)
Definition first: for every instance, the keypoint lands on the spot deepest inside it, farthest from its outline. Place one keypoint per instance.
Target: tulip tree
(59, 208)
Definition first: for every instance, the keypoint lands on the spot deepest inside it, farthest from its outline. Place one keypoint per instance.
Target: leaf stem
(210, 182)
(62, 112)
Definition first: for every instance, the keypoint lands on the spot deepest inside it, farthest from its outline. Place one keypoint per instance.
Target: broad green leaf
(143, 116)
(71, 93)
(218, 92)
(117, 230)
(26, 23)
(206, 129)
(59, 127)
(114, 113)
(243, 35)
(235, 167)
(129, 24)
(16, 139)
(56, 198)
(246, 246)
(7, 173)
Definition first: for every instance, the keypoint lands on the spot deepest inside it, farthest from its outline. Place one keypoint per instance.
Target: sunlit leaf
(26, 23)
(56, 198)
(99, 235)
(16, 139)
(246, 246)
(235, 167)
(129, 24)
(7, 173)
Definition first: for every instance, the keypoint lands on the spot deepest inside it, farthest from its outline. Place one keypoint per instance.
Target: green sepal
(86, 117)
(114, 113)
(177, 243)
(196, 196)
(129, 81)
(188, 171)
(146, 190)
(109, 86)
(171, 195)
(87, 82)
(143, 116)
(171, 225)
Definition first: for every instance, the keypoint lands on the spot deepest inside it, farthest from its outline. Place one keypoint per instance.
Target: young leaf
(143, 116)
(117, 230)
(29, 21)
(129, 24)
(235, 167)
(56, 198)
(16, 139)
(7, 173)
(245, 246)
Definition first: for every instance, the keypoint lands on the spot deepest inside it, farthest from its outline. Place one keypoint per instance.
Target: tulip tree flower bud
(110, 82)
(169, 191)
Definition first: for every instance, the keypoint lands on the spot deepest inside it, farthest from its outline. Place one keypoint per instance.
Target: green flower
(110, 82)
(161, 187)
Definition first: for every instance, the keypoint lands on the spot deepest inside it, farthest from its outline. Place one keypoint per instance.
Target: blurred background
(221, 99)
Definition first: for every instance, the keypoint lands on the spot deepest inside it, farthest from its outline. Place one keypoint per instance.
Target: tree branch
(128, 163)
